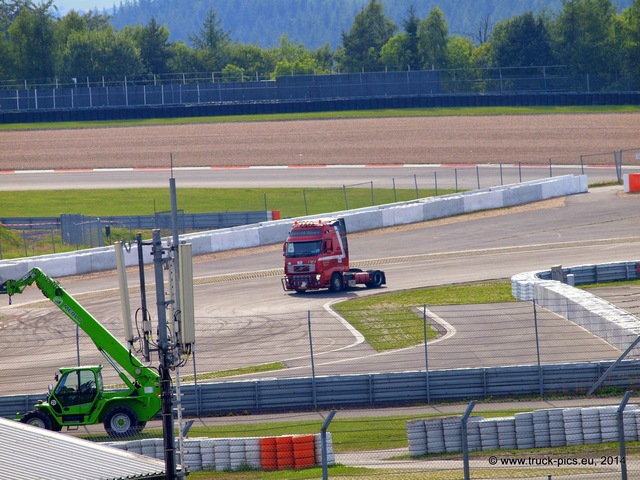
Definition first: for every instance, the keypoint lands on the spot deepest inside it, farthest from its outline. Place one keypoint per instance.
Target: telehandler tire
(38, 419)
(122, 422)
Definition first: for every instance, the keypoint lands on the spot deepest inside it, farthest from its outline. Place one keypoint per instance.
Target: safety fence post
(465, 443)
(323, 439)
(313, 368)
(621, 437)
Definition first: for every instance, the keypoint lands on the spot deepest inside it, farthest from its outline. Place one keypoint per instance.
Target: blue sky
(84, 5)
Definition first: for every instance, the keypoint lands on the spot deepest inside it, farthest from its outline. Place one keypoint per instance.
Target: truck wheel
(38, 419)
(121, 422)
(376, 279)
(337, 284)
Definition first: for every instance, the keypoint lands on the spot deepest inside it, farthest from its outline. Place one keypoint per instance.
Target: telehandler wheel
(336, 284)
(38, 419)
(122, 422)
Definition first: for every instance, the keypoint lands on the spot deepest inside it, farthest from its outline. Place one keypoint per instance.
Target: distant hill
(312, 22)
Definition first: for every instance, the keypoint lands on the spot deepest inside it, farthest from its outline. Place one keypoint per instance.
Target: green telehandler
(79, 397)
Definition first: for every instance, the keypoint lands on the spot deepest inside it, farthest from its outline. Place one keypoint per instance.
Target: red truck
(316, 255)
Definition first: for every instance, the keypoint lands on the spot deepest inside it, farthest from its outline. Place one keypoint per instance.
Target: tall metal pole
(165, 362)
(146, 328)
(176, 240)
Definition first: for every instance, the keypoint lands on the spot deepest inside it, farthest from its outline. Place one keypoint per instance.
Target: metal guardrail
(186, 221)
(382, 389)
(599, 273)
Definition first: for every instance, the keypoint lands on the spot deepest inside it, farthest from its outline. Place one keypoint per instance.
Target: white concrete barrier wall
(611, 323)
(271, 232)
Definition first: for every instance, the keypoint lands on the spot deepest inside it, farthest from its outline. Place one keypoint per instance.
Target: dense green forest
(589, 37)
(315, 23)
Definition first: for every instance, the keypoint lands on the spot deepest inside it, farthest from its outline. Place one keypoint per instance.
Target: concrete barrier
(631, 182)
(611, 323)
(272, 232)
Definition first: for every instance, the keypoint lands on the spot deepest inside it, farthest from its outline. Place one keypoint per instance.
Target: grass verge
(265, 367)
(291, 202)
(395, 320)
(405, 112)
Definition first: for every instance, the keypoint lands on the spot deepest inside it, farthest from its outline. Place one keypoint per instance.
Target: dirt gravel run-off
(500, 139)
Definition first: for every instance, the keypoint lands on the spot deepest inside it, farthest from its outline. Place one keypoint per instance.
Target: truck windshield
(302, 249)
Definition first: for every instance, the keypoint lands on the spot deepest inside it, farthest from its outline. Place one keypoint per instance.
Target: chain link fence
(37, 236)
(220, 87)
(595, 438)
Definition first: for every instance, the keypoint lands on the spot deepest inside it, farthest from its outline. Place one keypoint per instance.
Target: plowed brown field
(527, 139)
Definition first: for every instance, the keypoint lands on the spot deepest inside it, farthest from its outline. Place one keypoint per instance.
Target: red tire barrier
(284, 452)
(268, 449)
(304, 451)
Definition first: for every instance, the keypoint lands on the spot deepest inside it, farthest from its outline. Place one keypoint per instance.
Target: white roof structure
(31, 453)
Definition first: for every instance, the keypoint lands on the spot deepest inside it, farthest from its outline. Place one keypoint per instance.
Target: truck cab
(316, 256)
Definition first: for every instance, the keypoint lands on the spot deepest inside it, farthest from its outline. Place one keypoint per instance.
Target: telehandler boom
(79, 397)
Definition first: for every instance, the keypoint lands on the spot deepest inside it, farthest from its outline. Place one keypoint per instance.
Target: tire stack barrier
(417, 435)
(474, 442)
(452, 434)
(506, 433)
(304, 451)
(572, 418)
(284, 453)
(590, 418)
(541, 430)
(608, 424)
(268, 451)
(231, 454)
(525, 434)
(434, 436)
(208, 452)
(222, 454)
(331, 459)
(544, 428)
(252, 451)
(629, 421)
(488, 434)
(148, 448)
(237, 453)
(557, 437)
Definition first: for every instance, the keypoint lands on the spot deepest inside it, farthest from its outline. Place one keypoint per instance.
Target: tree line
(586, 36)
(312, 22)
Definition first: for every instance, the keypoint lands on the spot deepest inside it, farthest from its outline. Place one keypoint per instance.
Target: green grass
(354, 473)
(145, 201)
(291, 202)
(348, 434)
(265, 367)
(406, 112)
(338, 471)
(395, 320)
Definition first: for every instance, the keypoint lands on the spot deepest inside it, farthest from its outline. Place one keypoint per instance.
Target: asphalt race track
(248, 319)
